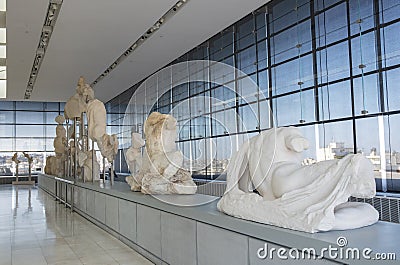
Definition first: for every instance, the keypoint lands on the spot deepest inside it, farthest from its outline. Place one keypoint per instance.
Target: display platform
(167, 229)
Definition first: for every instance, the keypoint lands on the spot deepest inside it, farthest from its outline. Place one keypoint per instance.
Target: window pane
(367, 56)
(393, 152)
(199, 105)
(199, 127)
(51, 106)
(28, 105)
(30, 144)
(222, 98)
(335, 101)
(30, 131)
(165, 99)
(50, 117)
(363, 10)
(181, 110)
(294, 108)
(180, 92)
(245, 32)
(283, 45)
(197, 87)
(247, 89)
(29, 117)
(221, 45)
(391, 44)
(224, 122)
(7, 131)
(261, 24)
(222, 154)
(246, 60)
(199, 158)
(219, 77)
(262, 55)
(322, 4)
(248, 118)
(288, 12)
(285, 77)
(309, 132)
(392, 90)
(333, 63)
(331, 25)
(369, 98)
(6, 117)
(50, 131)
(265, 111)
(183, 130)
(7, 144)
(335, 140)
(6, 105)
(391, 9)
(368, 141)
(263, 83)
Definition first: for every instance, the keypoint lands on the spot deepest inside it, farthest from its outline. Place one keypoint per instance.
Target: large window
(329, 67)
(27, 127)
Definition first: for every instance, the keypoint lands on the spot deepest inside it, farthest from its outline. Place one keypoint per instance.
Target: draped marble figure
(97, 122)
(308, 198)
(161, 169)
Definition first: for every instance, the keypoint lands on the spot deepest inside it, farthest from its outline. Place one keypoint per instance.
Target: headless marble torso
(308, 198)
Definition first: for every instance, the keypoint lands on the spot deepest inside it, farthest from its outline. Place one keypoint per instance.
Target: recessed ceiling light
(47, 29)
(148, 33)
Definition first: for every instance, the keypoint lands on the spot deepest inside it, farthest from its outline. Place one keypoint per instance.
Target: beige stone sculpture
(308, 198)
(76, 105)
(16, 161)
(59, 143)
(97, 121)
(90, 168)
(134, 158)
(51, 165)
(161, 170)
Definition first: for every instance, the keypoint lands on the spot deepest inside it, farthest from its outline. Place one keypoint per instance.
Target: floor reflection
(36, 229)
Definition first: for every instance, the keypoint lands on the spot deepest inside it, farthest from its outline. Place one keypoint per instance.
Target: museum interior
(199, 132)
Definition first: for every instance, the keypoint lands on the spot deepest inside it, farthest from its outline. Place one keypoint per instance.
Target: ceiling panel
(89, 35)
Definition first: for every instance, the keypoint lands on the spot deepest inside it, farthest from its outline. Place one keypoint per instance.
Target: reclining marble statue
(160, 169)
(308, 198)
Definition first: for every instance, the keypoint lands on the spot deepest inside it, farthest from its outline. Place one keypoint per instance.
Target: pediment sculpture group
(83, 101)
(266, 180)
(308, 198)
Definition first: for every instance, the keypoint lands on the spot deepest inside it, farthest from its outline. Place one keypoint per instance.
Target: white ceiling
(89, 35)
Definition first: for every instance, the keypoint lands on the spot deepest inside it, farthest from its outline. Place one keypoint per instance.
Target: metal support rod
(76, 150)
(112, 173)
(104, 169)
(66, 195)
(72, 197)
(30, 172)
(66, 166)
(56, 189)
(16, 172)
(82, 133)
(93, 157)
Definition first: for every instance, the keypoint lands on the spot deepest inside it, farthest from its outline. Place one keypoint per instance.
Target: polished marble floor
(36, 230)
